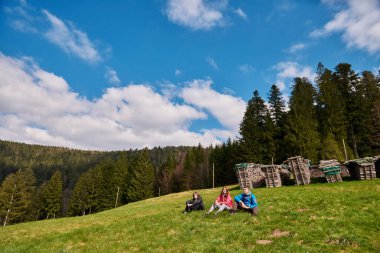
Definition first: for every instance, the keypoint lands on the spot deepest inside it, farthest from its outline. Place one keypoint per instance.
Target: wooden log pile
(249, 175)
(362, 169)
(272, 175)
(332, 170)
(300, 169)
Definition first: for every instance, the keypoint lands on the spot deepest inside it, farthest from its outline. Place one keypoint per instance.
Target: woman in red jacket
(223, 202)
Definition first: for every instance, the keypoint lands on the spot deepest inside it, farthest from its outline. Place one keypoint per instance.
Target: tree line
(340, 106)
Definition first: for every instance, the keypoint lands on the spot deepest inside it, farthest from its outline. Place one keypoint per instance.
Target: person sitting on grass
(246, 201)
(223, 202)
(194, 204)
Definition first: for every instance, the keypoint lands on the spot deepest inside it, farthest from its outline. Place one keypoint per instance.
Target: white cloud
(240, 13)
(37, 106)
(196, 14)
(290, 69)
(212, 62)
(296, 47)
(228, 110)
(111, 76)
(246, 68)
(70, 39)
(177, 72)
(26, 18)
(287, 71)
(359, 22)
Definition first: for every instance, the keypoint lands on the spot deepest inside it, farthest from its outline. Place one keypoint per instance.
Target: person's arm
(238, 199)
(253, 201)
(197, 201)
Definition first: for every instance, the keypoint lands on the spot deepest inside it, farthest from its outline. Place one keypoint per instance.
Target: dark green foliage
(224, 158)
(52, 195)
(256, 130)
(84, 199)
(15, 196)
(302, 125)
(141, 179)
(277, 127)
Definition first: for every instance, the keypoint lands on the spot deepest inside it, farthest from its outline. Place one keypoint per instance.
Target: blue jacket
(248, 200)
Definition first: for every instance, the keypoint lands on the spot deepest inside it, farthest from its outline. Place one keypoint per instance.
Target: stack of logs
(249, 175)
(332, 170)
(362, 169)
(300, 169)
(272, 175)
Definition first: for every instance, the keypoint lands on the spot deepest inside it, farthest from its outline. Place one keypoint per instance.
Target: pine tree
(253, 130)
(302, 126)
(365, 96)
(277, 106)
(166, 175)
(52, 195)
(346, 80)
(15, 196)
(120, 180)
(141, 178)
(331, 111)
(85, 196)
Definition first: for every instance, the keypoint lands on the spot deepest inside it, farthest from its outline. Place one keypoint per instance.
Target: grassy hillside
(314, 218)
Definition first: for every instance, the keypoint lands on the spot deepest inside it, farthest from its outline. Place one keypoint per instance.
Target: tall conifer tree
(141, 178)
(302, 126)
(52, 195)
(16, 195)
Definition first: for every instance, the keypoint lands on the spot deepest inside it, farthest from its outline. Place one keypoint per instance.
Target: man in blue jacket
(246, 201)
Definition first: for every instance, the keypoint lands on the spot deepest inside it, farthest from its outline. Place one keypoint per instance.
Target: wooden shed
(362, 169)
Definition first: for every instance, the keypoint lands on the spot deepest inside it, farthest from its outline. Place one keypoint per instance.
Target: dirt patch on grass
(264, 242)
(301, 210)
(279, 233)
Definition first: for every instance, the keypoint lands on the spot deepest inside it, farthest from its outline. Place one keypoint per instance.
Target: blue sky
(113, 75)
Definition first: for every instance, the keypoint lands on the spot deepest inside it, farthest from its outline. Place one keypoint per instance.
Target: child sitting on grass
(194, 204)
(247, 202)
(223, 202)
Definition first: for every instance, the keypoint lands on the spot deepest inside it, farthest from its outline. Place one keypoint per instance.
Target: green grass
(340, 217)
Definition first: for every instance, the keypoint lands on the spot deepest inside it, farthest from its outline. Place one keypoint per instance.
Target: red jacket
(225, 200)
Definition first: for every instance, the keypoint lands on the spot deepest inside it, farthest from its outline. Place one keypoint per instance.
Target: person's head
(196, 195)
(224, 191)
(246, 190)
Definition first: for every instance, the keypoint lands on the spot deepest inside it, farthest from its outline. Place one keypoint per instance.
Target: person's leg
(187, 208)
(211, 208)
(254, 211)
(223, 207)
(234, 208)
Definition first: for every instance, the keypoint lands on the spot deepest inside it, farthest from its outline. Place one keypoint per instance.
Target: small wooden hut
(362, 169)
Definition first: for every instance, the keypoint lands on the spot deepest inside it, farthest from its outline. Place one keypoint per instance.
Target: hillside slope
(314, 218)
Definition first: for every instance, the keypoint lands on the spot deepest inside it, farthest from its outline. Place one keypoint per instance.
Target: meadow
(321, 217)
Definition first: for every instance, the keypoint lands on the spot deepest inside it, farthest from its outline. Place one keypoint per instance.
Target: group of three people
(245, 201)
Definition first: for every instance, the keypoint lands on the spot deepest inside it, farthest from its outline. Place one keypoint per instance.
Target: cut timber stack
(362, 169)
(332, 170)
(272, 175)
(300, 169)
(249, 175)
